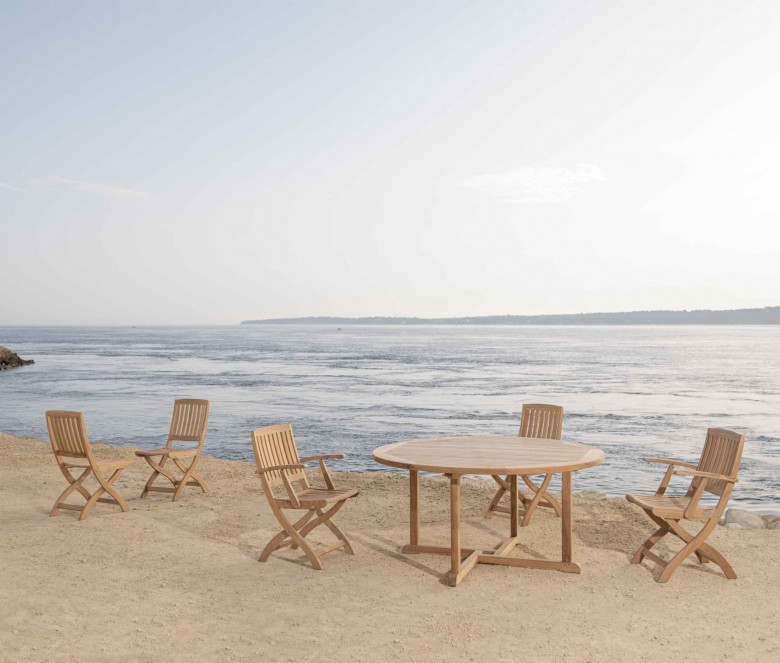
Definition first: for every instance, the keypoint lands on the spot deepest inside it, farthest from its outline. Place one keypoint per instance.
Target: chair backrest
(275, 445)
(543, 421)
(68, 434)
(722, 454)
(190, 418)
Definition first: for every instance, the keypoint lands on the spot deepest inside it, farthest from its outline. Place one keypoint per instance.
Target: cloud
(55, 182)
(11, 187)
(537, 184)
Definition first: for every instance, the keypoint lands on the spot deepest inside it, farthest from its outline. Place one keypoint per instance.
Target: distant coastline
(769, 315)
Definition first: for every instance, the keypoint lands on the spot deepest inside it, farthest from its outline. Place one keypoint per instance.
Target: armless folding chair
(278, 464)
(72, 450)
(538, 421)
(716, 473)
(190, 417)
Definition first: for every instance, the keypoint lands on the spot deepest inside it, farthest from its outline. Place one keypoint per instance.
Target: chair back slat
(541, 421)
(275, 445)
(190, 418)
(722, 454)
(67, 433)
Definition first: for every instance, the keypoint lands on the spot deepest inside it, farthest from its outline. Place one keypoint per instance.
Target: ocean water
(633, 391)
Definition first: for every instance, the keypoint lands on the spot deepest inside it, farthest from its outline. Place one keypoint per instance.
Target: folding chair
(72, 450)
(190, 417)
(716, 473)
(538, 421)
(278, 464)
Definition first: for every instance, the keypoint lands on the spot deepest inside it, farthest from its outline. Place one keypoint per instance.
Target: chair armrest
(264, 470)
(706, 475)
(323, 457)
(324, 469)
(692, 466)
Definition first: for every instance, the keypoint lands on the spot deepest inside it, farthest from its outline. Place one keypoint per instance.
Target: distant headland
(769, 315)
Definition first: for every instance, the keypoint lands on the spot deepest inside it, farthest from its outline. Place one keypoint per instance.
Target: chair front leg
(324, 518)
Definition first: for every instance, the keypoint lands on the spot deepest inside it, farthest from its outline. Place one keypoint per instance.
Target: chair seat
(312, 497)
(667, 506)
(166, 451)
(103, 467)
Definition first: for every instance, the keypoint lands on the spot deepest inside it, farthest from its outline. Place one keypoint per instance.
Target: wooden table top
(489, 455)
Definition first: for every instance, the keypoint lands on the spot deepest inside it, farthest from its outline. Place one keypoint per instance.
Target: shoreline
(181, 581)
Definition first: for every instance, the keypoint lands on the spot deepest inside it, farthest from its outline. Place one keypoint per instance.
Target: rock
(770, 519)
(774, 525)
(745, 519)
(10, 359)
(733, 526)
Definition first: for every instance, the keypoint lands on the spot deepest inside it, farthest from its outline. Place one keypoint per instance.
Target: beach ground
(181, 581)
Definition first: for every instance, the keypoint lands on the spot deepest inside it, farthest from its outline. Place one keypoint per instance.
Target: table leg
(414, 507)
(513, 506)
(454, 528)
(566, 517)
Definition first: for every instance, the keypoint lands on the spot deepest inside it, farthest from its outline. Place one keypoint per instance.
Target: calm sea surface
(633, 391)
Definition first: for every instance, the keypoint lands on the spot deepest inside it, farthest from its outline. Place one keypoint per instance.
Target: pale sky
(208, 162)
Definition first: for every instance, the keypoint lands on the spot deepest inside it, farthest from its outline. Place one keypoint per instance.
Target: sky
(206, 163)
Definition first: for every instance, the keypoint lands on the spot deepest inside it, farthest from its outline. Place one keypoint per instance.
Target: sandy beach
(181, 581)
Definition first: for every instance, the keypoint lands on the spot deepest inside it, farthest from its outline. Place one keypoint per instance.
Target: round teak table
(511, 456)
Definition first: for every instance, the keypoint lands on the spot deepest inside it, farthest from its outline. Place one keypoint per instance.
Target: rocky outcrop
(10, 359)
(741, 519)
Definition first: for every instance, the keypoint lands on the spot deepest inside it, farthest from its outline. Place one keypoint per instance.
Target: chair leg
(106, 486)
(549, 499)
(280, 539)
(687, 551)
(499, 494)
(538, 494)
(74, 484)
(189, 473)
(324, 518)
(158, 469)
(659, 534)
(704, 549)
(296, 538)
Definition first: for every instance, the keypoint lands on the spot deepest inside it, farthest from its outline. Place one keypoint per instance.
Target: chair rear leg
(659, 534)
(551, 501)
(693, 544)
(74, 484)
(157, 470)
(538, 494)
(189, 473)
(324, 518)
(706, 551)
(298, 538)
(497, 497)
(276, 542)
(106, 486)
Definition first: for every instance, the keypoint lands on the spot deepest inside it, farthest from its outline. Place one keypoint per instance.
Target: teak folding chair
(72, 450)
(278, 464)
(190, 417)
(538, 421)
(716, 473)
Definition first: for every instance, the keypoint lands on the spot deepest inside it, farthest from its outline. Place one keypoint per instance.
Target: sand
(181, 582)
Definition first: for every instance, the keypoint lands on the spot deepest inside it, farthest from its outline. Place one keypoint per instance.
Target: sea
(633, 391)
